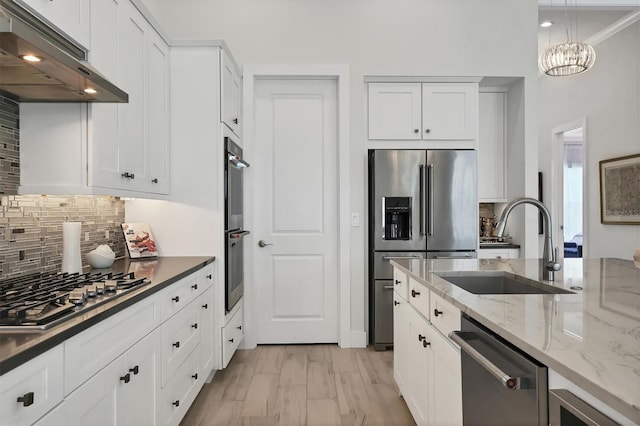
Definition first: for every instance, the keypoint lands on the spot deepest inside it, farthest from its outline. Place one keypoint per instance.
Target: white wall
(608, 97)
(375, 37)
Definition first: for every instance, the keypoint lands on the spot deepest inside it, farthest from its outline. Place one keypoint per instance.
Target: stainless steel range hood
(61, 73)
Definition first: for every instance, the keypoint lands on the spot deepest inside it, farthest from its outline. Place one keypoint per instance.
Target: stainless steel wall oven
(233, 223)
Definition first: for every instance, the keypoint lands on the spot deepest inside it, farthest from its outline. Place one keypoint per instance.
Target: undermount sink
(499, 282)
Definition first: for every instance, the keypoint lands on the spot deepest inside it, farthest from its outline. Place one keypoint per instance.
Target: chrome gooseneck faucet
(549, 256)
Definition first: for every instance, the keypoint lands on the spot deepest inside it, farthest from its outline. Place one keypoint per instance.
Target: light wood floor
(302, 385)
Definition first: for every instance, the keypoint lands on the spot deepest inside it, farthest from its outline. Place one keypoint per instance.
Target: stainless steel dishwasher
(501, 385)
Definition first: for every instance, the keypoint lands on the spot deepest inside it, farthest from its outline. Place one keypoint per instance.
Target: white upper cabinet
(71, 17)
(230, 100)
(423, 111)
(491, 147)
(395, 110)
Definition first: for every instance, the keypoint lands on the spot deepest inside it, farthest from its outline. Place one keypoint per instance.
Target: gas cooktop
(40, 301)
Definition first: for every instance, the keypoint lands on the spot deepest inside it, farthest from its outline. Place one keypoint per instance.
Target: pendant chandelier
(567, 58)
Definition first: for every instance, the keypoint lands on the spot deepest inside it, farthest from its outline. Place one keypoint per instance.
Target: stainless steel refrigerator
(422, 204)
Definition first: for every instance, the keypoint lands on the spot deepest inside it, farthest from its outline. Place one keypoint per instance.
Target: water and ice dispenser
(396, 213)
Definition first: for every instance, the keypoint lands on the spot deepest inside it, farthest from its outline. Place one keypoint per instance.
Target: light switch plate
(355, 220)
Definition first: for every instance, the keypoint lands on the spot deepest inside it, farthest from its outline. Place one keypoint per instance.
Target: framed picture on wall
(619, 195)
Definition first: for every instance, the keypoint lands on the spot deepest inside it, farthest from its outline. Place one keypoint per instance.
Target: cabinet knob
(421, 337)
(26, 399)
(205, 306)
(230, 340)
(209, 276)
(436, 312)
(195, 325)
(176, 299)
(235, 121)
(415, 293)
(155, 180)
(126, 378)
(398, 282)
(195, 376)
(176, 403)
(176, 344)
(427, 130)
(135, 370)
(239, 327)
(195, 286)
(425, 343)
(416, 130)
(396, 303)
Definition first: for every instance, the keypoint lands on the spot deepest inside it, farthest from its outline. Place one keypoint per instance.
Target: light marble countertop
(591, 337)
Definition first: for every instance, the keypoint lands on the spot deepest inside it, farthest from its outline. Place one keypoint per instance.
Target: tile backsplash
(31, 225)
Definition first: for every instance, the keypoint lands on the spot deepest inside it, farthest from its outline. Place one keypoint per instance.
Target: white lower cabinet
(178, 394)
(426, 364)
(232, 334)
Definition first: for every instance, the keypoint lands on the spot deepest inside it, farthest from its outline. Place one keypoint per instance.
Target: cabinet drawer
(178, 394)
(178, 295)
(86, 353)
(232, 335)
(206, 278)
(419, 297)
(180, 335)
(400, 283)
(39, 380)
(444, 316)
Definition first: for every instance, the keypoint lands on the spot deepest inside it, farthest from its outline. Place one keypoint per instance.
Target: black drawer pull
(209, 276)
(154, 180)
(415, 293)
(176, 403)
(194, 325)
(195, 286)
(195, 376)
(176, 299)
(230, 340)
(398, 282)
(26, 399)
(436, 312)
(421, 337)
(239, 327)
(235, 121)
(176, 344)
(135, 370)
(205, 306)
(425, 343)
(126, 378)
(396, 303)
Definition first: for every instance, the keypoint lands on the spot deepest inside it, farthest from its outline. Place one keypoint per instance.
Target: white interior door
(296, 210)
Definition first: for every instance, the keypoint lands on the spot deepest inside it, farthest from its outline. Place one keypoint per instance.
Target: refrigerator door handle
(430, 178)
(423, 210)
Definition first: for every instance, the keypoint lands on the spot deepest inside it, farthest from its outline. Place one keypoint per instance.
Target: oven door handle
(508, 381)
(238, 235)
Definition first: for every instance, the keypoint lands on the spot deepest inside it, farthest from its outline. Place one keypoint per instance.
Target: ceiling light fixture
(567, 58)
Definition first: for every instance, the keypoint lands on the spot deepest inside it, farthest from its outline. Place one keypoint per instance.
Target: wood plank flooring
(302, 385)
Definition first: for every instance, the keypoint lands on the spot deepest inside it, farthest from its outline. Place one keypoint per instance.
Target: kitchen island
(592, 337)
(18, 347)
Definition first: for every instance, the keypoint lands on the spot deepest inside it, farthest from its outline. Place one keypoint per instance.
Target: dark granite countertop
(18, 347)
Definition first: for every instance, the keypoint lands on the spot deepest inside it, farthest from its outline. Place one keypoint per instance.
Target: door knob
(263, 243)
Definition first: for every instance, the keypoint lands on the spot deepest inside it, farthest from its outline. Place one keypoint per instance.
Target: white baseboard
(358, 339)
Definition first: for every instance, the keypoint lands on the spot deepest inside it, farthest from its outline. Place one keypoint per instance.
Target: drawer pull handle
(176, 344)
(210, 276)
(195, 286)
(425, 343)
(398, 282)
(176, 403)
(195, 376)
(154, 180)
(396, 303)
(194, 325)
(205, 306)
(421, 337)
(126, 378)
(230, 340)
(135, 370)
(235, 121)
(26, 399)
(436, 312)
(415, 293)
(176, 299)
(239, 327)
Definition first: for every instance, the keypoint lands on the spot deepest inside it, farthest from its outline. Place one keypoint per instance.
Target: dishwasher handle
(508, 381)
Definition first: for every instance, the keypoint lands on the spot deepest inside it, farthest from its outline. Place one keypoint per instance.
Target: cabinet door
(447, 382)
(230, 101)
(491, 147)
(207, 340)
(421, 368)
(132, 129)
(401, 331)
(449, 111)
(70, 16)
(104, 157)
(158, 108)
(394, 111)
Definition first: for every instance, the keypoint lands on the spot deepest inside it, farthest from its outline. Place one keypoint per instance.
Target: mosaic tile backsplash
(31, 225)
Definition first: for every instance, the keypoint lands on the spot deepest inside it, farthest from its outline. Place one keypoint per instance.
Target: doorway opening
(572, 172)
